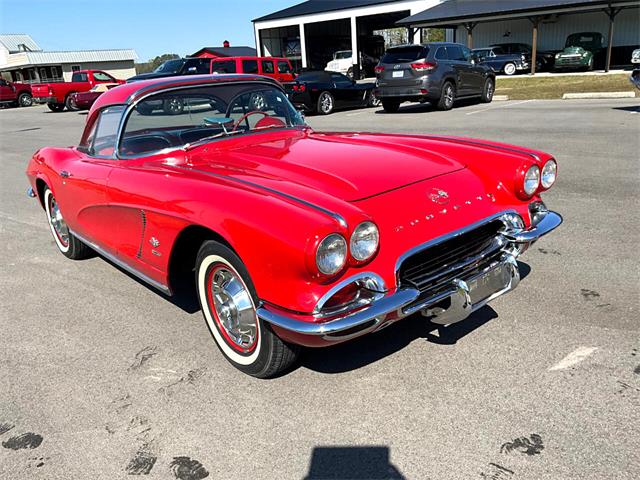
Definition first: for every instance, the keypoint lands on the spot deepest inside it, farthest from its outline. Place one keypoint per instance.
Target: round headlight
(531, 180)
(331, 254)
(549, 170)
(364, 241)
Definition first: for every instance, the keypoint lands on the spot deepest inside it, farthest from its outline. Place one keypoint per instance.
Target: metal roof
(11, 41)
(320, 6)
(81, 56)
(461, 10)
(229, 51)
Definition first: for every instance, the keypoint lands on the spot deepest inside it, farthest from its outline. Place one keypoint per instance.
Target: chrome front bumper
(450, 306)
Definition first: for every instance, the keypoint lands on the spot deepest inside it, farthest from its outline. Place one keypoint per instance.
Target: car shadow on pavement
(632, 109)
(357, 353)
(429, 107)
(352, 462)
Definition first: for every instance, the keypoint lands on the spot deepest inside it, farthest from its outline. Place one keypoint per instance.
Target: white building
(22, 60)
(309, 32)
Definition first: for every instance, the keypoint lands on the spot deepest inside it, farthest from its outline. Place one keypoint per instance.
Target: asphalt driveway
(101, 377)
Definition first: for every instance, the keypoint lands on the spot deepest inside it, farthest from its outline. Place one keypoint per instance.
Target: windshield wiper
(190, 145)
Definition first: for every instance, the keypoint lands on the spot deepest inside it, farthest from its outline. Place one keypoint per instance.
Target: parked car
(544, 59)
(57, 95)
(580, 51)
(635, 56)
(275, 67)
(499, 61)
(343, 63)
(17, 94)
(436, 72)
(288, 236)
(84, 100)
(635, 77)
(177, 66)
(324, 92)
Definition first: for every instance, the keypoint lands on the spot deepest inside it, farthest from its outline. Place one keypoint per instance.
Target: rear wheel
(70, 103)
(173, 106)
(390, 106)
(25, 100)
(447, 96)
(509, 69)
(56, 107)
(228, 300)
(487, 91)
(326, 103)
(67, 243)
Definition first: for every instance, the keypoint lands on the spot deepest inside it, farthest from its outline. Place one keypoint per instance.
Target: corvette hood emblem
(438, 196)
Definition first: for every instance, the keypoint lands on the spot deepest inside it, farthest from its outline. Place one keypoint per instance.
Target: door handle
(65, 174)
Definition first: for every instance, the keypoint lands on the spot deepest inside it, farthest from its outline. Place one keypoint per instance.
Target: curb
(500, 98)
(570, 96)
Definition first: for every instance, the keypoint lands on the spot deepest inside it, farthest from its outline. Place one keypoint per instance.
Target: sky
(150, 27)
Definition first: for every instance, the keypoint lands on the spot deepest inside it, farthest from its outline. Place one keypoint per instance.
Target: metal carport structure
(469, 13)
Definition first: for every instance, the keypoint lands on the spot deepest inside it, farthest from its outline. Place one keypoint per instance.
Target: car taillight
(50, 91)
(424, 66)
(379, 69)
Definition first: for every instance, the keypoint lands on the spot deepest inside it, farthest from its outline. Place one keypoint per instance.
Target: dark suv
(438, 73)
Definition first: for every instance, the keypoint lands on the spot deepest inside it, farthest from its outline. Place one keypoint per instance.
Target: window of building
(75, 68)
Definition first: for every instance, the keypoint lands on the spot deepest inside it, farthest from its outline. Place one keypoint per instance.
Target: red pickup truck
(57, 95)
(18, 94)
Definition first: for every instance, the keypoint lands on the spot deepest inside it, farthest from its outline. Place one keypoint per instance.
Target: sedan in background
(324, 92)
(84, 100)
(544, 59)
(502, 62)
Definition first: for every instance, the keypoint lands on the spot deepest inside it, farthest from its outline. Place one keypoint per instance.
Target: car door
(345, 92)
(79, 180)
(285, 73)
(463, 67)
(7, 93)
(475, 71)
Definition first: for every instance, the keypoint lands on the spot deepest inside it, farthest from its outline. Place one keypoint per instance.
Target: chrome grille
(434, 268)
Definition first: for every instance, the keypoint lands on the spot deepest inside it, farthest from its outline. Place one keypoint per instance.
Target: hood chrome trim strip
(339, 218)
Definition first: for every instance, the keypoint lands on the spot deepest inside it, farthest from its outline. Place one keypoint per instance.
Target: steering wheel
(247, 115)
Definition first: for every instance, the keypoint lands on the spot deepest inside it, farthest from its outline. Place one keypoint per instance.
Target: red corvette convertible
(296, 237)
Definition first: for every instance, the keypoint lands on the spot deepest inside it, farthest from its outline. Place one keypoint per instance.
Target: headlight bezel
(324, 243)
(353, 247)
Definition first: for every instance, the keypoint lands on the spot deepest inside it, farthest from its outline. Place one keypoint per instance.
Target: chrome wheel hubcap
(326, 103)
(233, 308)
(489, 90)
(57, 222)
(448, 95)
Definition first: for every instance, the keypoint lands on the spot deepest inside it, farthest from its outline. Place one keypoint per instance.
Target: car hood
(150, 76)
(572, 50)
(347, 166)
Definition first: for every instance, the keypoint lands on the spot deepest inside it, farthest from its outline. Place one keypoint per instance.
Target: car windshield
(404, 54)
(342, 55)
(587, 41)
(189, 117)
(171, 66)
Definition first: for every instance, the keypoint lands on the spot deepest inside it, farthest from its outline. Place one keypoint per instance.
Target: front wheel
(67, 243)
(372, 100)
(509, 69)
(326, 103)
(70, 103)
(56, 107)
(228, 300)
(487, 91)
(25, 100)
(173, 106)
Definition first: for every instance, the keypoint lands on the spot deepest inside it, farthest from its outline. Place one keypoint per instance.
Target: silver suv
(439, 73)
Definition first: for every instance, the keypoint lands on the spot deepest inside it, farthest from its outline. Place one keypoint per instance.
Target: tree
(154, 63)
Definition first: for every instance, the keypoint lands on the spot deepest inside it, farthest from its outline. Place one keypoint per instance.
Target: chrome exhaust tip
(31, 193)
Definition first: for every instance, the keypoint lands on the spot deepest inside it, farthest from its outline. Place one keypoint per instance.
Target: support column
(355, 56)
(534, 44)
(469, 27)
(303, 46)
(611, 13)
(411, 34)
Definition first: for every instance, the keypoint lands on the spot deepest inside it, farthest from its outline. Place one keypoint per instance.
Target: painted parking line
(575, 357)
(506, 105)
